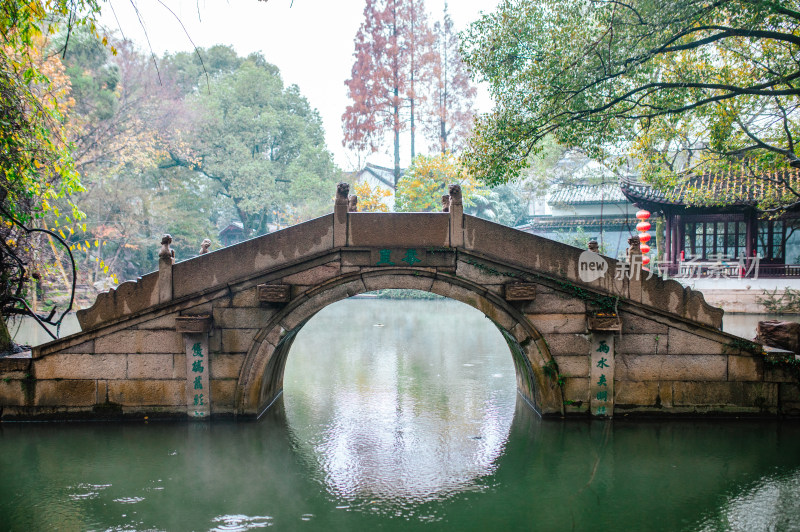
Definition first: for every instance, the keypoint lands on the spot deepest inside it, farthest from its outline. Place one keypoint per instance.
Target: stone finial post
(342, 193)
(204, 245)
(166, 258)
(352, 203)
(634, 247)
(634, 257)
(340, 207)
(166, 253)
(593, 246)
(446, 203)
(456, 216)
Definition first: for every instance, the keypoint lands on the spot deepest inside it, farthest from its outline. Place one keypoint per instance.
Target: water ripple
(238, 523)
(129, 500)
(92, 493)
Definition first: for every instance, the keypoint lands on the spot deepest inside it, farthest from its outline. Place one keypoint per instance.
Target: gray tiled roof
(381, 173)
(587, 194)
(714, 189)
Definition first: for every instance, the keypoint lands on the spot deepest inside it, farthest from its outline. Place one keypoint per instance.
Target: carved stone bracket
(604, 321)
(274, 293)
(193, 324)
(521, 292)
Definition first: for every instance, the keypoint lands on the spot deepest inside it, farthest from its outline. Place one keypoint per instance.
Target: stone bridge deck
(210, 336)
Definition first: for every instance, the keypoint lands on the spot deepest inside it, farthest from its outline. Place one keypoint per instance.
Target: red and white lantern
(644, 237)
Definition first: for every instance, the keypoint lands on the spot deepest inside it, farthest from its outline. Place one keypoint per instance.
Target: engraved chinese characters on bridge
(602, 375)
(197, 385)
(399, 257)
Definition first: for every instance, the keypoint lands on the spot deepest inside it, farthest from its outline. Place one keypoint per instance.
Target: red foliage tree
(421, 57)
(449, 110)
(392, 50)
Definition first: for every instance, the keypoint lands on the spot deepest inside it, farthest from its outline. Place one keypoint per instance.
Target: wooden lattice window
(710, 240)
(772, 240)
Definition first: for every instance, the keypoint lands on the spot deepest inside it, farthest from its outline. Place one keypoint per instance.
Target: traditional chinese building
(713, 233)
(377, 176)
(597, 211)
(232, 234)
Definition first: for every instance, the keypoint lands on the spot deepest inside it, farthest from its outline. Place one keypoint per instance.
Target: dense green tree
(261, 143)
(191, 71)
(505, 204)
(684, 86)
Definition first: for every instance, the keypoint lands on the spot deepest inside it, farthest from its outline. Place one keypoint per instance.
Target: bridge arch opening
(398, 400)
(261, 378)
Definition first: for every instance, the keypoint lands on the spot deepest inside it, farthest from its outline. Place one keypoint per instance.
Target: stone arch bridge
(210, 336)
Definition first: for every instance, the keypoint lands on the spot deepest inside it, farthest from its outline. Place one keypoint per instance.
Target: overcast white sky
(311, 41)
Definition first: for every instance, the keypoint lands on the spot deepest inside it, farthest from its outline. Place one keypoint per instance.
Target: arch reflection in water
(399, 400)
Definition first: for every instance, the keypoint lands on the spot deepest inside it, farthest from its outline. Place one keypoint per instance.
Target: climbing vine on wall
(788, 301)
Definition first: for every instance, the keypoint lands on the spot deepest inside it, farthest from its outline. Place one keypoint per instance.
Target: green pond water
(401, 415)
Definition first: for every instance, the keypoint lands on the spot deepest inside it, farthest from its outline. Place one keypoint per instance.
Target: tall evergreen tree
(261, 144)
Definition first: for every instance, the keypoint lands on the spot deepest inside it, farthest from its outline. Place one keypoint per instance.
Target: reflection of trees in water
(414, 409)
(643, 474)
(770, 504)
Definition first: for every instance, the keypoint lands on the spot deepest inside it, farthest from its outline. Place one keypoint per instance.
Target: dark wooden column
(751, 221)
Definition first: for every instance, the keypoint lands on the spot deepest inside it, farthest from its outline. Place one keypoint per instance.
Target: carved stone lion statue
(633, 247)
(455, 194)
(166, 252)
(342, 191)
(445, 203)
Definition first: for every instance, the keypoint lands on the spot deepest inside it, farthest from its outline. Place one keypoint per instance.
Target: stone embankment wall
(751, 300)
(210, 336)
